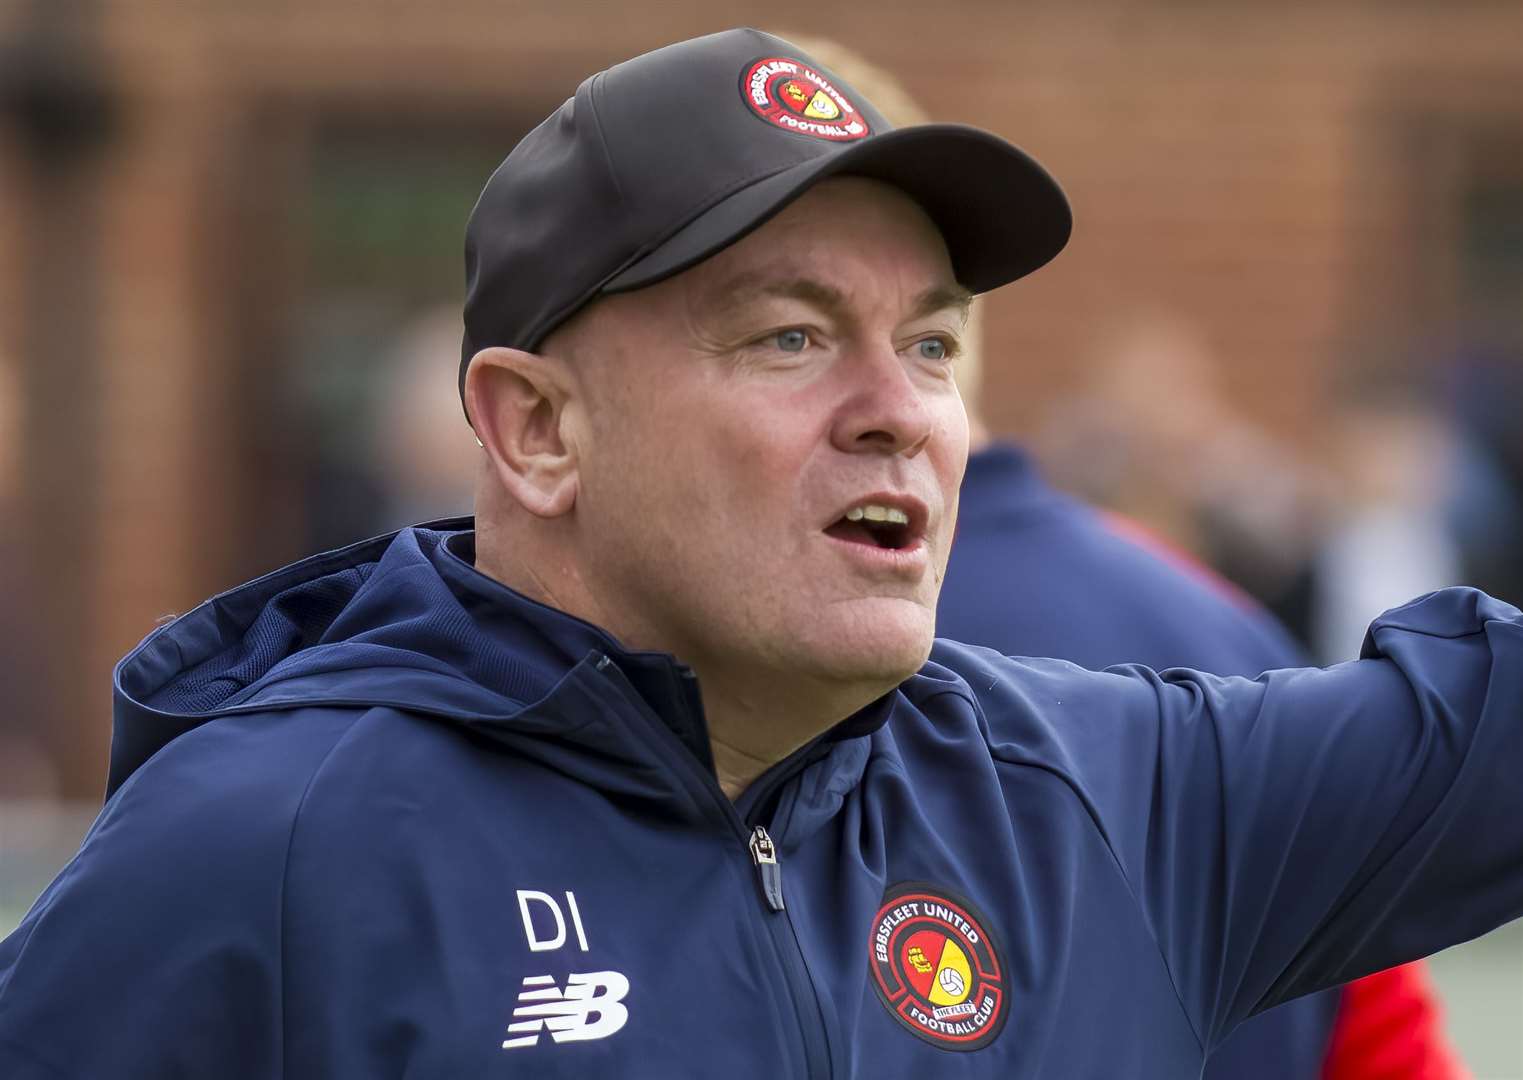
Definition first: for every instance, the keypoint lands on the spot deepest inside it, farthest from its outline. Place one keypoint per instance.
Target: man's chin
(884, 655)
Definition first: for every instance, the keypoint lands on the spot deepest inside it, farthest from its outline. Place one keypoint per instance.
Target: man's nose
(883, 410)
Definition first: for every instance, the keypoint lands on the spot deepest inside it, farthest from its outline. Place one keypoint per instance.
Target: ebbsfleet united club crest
(790, 94)
(937, 968)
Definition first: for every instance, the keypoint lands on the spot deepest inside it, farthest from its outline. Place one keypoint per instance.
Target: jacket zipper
(769, 873)
(790, 949)
(790, 952)
(763, 854)
(785, 940)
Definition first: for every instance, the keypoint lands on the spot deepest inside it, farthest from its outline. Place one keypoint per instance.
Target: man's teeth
(874, 512)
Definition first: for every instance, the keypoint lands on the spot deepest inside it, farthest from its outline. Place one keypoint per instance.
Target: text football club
(937, 968)
(793, 96)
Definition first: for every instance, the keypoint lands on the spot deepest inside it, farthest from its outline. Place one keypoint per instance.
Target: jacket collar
(407, 621)
(553, 640)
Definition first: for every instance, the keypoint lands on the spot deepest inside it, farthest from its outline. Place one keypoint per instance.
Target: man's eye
(933, 349)
(791, 340)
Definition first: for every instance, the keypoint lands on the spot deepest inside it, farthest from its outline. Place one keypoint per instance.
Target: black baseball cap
(663, 160)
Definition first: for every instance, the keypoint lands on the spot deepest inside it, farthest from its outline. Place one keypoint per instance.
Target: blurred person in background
(1395, 455)
(1150, 433)
(1482, 385)
(1037, 572)
(1429, 468)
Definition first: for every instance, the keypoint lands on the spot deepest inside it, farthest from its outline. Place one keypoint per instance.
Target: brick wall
(1283, 175)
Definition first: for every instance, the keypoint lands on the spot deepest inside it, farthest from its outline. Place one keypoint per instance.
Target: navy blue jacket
(375, 815)
(1035, 571)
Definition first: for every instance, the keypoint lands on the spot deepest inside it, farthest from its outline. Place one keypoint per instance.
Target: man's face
(748, 423)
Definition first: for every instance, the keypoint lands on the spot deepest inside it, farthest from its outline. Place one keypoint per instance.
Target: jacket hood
(402, 621)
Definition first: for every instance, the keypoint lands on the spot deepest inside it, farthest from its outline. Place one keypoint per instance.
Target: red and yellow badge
(793, 96)
(937, 968)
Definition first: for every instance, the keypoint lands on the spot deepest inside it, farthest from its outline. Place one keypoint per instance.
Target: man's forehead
(822, 246)
(843, 240)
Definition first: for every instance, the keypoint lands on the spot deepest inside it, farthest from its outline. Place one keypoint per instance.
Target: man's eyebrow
(942, 298)
(740, 291)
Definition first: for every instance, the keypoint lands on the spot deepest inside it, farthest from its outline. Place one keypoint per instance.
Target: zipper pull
(764, 855)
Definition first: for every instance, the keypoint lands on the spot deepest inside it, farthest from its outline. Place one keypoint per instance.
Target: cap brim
(1002, 216)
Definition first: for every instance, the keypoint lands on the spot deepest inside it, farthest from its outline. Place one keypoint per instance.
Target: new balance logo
(589, 1008)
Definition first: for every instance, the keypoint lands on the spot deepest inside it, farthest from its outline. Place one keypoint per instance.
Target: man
(446, 804)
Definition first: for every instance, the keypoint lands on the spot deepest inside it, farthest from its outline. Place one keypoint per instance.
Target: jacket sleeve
(1308, 827)
(156, 952)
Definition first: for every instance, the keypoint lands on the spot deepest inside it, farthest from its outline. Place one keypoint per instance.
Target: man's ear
(516, 401)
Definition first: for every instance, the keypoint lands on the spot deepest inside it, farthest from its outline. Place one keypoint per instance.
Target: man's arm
(1387, 1026)
(1309, 827)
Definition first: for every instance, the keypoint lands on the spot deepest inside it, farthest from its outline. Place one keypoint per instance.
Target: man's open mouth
(875, 525)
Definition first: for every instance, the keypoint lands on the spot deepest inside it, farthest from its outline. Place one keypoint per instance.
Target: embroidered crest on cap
(937, 968)
(793, 96)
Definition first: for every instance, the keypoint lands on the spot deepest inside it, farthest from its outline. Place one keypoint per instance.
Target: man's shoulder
(976, 672)
(240, 775)
(176, 900)
(213, 814)
(1018, 699)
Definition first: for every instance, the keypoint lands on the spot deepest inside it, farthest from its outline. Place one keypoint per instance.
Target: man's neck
(736, 769)
(755, 718)
(750, 731)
